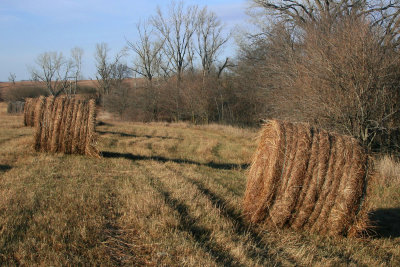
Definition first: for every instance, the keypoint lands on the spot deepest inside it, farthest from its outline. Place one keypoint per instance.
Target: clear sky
(31, 27)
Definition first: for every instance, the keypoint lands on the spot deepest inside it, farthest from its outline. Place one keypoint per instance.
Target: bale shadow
(241, 227)
(133, 135)
(102, 123)
(188, 224)
(13, 138)
(4, 168)
(386, 222)
(211, 164)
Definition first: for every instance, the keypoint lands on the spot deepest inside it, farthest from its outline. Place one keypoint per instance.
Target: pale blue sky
(31, 27)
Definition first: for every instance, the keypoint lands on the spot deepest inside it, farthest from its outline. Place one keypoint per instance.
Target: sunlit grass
(162, 194)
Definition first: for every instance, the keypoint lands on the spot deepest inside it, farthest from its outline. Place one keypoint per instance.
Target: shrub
(19, 93)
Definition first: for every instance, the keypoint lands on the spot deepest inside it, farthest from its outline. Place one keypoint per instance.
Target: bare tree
(12, 77)
(103, 67)
(118, 100)
(334, 63)
(147, 51)
(76, 55)
(210, 39)
(148, 63)
(54, 70)
(177, 29)
(119, 72)
(385, 13)
(107, 70)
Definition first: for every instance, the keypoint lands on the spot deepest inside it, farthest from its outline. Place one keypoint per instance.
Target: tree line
(332, 63)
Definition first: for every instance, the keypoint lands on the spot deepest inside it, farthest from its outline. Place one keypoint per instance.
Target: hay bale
(65, 125)
(68, 124)
(26, 112)
(306, 178)
(46, 124)
(29, 111)
(58, 113)
(15, 107)
(39, 110)
(91, 136)
(76, 128)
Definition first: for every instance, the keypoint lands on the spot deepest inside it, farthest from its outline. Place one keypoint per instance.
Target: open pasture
(162, 194)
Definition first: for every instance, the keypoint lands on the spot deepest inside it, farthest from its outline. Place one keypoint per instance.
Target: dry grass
(156, 198)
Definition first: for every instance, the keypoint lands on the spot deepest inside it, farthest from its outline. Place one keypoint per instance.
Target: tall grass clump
(307, 178)
(65, 125)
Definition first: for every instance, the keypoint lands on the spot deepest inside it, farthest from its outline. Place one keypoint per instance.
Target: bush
(337, 74)
(86, 90)
(19, 93)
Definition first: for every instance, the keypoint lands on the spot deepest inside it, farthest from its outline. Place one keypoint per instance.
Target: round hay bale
(58, 114)
(63, 124)
(26, 110)
(38, 122)
(29, 111)
(46, 123)
(15, 107)
(91, 136)
(306, 178)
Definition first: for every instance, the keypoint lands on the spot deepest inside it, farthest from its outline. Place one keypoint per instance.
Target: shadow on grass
(102, 123)
(221, 166)
(13, 138)
(4, 168)
(187, 223)
(241, 227)
(386, 222)
(244, 228)
(132, 135)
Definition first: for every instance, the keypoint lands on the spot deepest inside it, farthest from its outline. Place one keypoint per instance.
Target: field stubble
(163, 194)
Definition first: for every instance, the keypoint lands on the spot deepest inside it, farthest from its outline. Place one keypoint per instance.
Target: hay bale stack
(306, 178)
(29, 111)
(65, 125)
(15, 107)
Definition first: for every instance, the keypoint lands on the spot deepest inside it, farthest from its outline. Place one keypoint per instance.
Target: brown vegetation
(333, 64)
(163, 194)
(65, 125)
(306, 178)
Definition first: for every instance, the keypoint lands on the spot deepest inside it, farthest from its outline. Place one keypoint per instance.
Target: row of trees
(58, 73)
(332, 63)
(176, 50)
(184, 42)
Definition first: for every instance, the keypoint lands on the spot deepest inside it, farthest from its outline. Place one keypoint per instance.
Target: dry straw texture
(306, 178)
(29, 111)
(64, 125)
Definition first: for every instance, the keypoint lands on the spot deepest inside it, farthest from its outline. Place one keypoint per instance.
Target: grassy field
(162, 195)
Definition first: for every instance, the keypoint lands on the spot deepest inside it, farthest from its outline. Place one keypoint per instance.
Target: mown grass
(162, 194)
